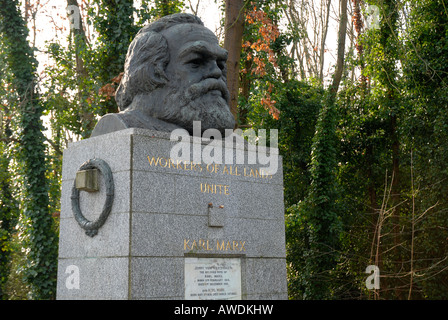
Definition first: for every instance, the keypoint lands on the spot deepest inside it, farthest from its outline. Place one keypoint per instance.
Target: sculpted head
(175, 71)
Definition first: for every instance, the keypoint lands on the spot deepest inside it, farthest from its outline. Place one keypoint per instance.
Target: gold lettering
(221, 245)
(264, 174)
(170, 162)
(254, 173)
(251, 173)
(209, 188)
(152, 161)
(218, 246)
(212, 168)
(215, 188)
(236, 171)
(186, 244)
(166, 162)
(205, 245)
(178, 162)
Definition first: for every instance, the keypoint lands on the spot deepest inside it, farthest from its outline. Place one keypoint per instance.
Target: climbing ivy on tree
(114, 23)
(38, 232)
(8, 212)
(364, 162)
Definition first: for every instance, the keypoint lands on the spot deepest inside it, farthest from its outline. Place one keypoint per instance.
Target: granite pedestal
(176, 230)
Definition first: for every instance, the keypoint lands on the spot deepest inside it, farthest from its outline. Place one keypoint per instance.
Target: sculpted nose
(214, 71)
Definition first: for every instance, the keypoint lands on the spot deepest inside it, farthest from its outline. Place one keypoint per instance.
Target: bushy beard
(198, 102)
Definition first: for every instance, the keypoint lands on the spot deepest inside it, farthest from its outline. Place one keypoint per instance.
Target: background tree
(234, 26)
(38, 230)
(362, 129)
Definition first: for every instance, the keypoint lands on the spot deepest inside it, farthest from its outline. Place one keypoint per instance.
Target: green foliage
(78, 86)
(308, 144)
(316, 218)
(377, 150)
(151, 10)
(8, 216)
(403, 105)
(426, 83)
(114, 22)
(91, 68)
(15, 288)
(41, 240)
(8, 205)
(340, 153)
(299, 104)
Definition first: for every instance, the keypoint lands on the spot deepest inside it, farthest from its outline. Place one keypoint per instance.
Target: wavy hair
(147, 58)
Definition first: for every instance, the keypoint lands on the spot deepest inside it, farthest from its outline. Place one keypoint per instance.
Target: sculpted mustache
(198, 89)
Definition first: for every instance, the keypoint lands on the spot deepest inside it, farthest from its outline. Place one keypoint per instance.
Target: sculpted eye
(195, 62)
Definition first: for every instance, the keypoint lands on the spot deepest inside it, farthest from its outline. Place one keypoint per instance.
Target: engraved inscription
(212, 278)
(210, 245)
(215, 188)
(220, 169)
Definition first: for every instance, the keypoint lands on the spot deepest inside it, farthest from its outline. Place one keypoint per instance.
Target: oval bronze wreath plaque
(92, 227)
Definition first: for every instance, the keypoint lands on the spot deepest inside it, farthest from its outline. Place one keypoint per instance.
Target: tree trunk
(245, 91)
(388, 74)
(41, 240)
(80, 41)
(324, 38)
(234, 26)
(357, 17)
(341, 48)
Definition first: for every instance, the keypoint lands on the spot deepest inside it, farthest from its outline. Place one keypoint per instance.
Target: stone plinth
(168, 219)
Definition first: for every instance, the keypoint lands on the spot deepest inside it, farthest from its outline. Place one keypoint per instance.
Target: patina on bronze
(174, 74)
(91, 227)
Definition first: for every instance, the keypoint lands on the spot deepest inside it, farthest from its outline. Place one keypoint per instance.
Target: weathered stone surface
(174, 74)
(104, 278)
(216, 216)
(165, 210)
(157, 278)
(160, 215)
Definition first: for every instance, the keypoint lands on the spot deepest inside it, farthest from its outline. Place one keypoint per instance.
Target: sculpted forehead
(183, 37)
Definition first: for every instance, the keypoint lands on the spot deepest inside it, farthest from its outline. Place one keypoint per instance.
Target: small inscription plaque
(212, 278)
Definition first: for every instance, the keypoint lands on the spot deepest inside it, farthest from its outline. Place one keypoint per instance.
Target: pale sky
(52, 25)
